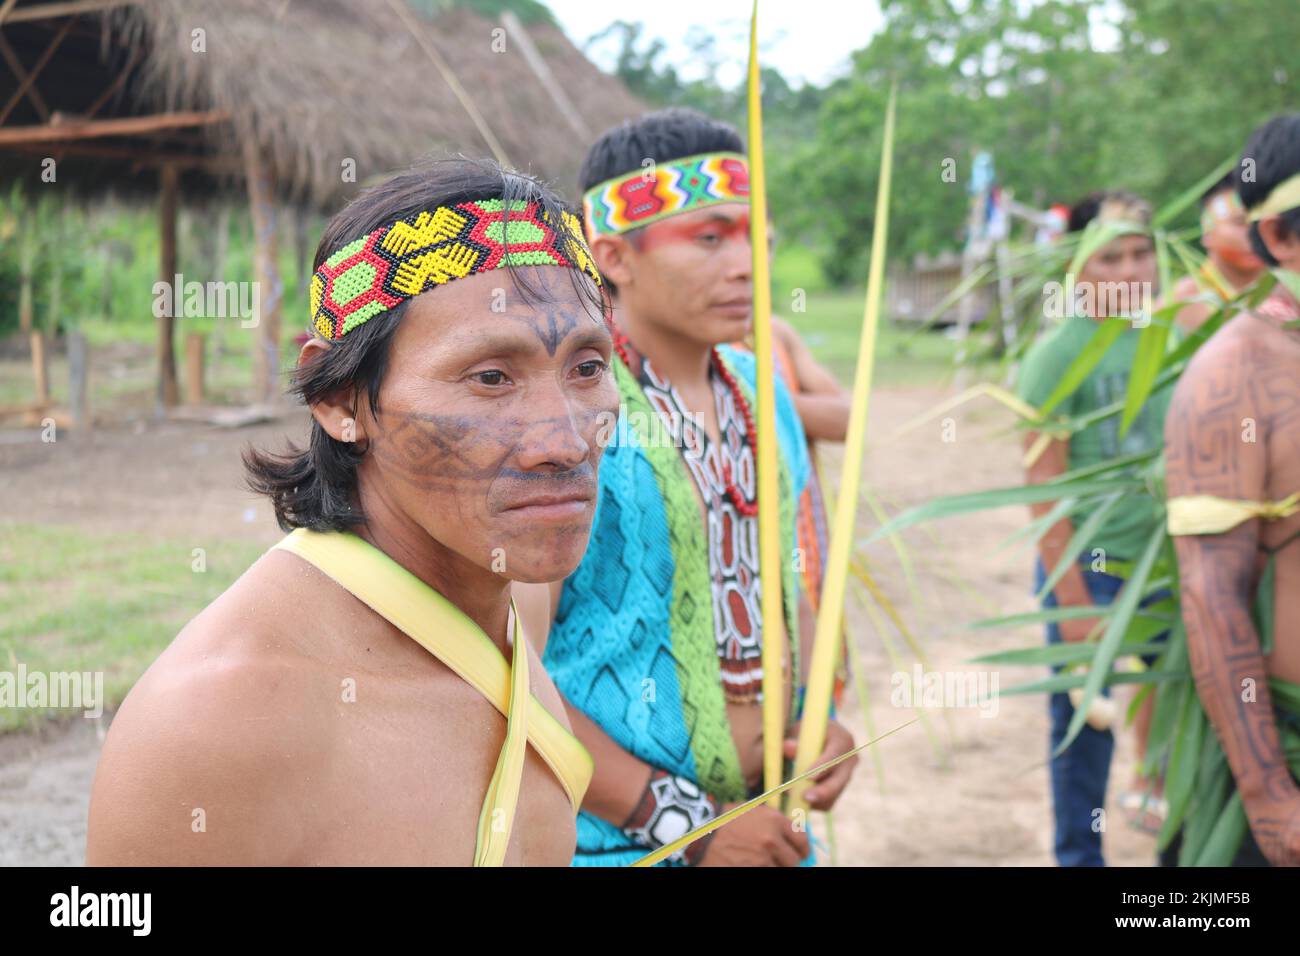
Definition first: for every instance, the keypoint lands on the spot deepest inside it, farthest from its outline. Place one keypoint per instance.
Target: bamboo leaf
(722, 819)
(1213, 781)
(1060, 654)
(766, 459)
(1045, 616)
(825, 648)
(998, 498)
(1035, 530)
(1226, 837)
(1126, 606)
(1107, 333)
(1147, 362)
(1170, 210)
(1084, 533)
(1180, 777)
(1063, 682)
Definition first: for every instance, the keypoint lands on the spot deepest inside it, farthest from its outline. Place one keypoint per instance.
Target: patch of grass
(228, 379)
(795, 267)
(75, 601)
(831, 324)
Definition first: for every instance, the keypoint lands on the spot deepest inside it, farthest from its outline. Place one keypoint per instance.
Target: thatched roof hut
(286, 100)
(311, 82)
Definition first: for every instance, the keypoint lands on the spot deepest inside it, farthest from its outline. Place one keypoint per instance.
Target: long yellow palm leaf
(826, 643)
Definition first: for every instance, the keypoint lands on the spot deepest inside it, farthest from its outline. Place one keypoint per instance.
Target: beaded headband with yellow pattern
(394, 263)
(644, 196)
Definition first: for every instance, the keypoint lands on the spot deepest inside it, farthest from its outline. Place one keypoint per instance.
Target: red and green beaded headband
(639, 198)
(394, 263)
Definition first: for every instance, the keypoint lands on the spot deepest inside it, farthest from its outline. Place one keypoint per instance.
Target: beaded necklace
(747, 506)
(730, 501)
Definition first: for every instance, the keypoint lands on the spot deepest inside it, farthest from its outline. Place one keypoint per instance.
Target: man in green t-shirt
(1114, 284)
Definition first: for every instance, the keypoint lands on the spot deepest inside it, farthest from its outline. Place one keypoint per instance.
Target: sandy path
(977, 795)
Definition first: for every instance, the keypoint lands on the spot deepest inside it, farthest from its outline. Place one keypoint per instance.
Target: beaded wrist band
(644, 196)
(394, 263)
(671, 807)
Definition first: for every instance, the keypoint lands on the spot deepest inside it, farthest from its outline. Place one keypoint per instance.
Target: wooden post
(194, 368)
(220, 246)
(269, 289)
(55, 305)
(167, 395)
(26, 262)
(40, 368)
(78, 375)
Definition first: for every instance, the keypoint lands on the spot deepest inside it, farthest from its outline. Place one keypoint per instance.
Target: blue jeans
(1079, 774)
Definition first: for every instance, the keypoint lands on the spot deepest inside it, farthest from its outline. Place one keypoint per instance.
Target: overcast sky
(807, 40)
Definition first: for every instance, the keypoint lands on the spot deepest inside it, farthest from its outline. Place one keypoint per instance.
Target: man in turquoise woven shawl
(656, 641)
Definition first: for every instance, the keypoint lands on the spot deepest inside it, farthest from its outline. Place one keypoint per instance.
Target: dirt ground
(977, 794)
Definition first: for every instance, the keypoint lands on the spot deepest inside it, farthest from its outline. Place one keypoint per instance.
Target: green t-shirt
(1129, 525)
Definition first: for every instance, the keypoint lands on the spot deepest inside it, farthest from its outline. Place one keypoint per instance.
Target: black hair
(660, 136)
(1273, 155)
(1086, 209)
(1225, 182)
(315, 487)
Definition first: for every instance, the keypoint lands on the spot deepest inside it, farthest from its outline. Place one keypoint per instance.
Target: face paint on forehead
(1224, 207)
(550, 322)
(670, 231)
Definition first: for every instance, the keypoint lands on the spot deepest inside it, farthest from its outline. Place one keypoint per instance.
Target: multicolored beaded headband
(394, 263)
(639, 198)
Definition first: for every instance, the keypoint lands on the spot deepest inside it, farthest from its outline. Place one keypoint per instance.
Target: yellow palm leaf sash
(447, 633)
(1208, 514)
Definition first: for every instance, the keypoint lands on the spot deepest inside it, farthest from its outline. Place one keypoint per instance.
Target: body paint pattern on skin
(668, 233)
(1244, 379)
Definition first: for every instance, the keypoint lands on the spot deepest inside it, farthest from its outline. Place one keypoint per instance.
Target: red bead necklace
(747, 508)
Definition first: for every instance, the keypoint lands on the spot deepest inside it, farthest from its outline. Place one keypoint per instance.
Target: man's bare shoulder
(1232, 397)
(1245, 350)
(1220, 369)
(200, 761)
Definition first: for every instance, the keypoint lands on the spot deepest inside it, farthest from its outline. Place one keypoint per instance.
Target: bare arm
(1205, 454)
(1071, 591)
(620, 780)
(822, 403)
(185, 778)
(1193, 315)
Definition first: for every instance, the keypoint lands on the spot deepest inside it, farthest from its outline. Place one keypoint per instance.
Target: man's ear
(1280, 241)
(335, 411)
(613, 255)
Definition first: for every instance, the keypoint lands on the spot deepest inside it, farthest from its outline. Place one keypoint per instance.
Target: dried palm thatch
(314, 83)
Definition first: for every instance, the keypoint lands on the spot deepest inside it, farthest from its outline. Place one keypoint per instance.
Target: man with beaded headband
(1230, 263)
(1232, 460)
(364, 693)
(656, 639)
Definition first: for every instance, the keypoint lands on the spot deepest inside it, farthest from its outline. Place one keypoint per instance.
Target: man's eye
(708, 238)
(593, 368)
(491, 377)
